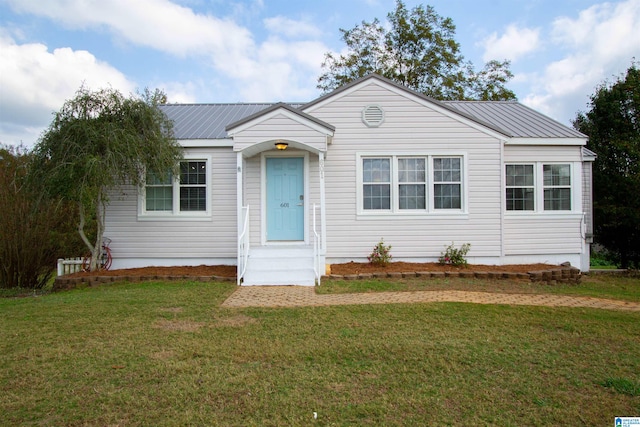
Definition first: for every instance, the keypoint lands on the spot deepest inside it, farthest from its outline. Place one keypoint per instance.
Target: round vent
(373, 115)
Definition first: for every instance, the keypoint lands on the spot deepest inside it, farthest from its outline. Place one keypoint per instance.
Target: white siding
(546, 233)
(587, 196)
(174, 241)
(279, 127)
(543, 234)
(409, 127)
(542, 153)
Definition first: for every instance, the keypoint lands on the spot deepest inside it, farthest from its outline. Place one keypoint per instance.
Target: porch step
(280, 265)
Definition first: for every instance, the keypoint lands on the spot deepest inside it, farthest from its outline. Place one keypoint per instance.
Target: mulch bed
(404, 267)
(349, 268)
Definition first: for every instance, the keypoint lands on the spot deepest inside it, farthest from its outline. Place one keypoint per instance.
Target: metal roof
(516, 119)
(207, 121)
(275, 107)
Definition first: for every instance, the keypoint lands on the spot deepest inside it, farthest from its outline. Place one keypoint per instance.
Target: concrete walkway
(305, 296)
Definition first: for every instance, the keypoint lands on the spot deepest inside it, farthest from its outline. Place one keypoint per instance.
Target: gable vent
(373, 115)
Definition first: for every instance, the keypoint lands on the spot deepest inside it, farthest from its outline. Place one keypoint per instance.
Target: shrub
(454, 256)
(381, 254)
(31, 227)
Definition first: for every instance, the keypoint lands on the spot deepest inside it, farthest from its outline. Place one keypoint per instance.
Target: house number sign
(284, 205)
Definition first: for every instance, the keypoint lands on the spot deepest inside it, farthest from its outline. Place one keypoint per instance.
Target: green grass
(167, 354)
(598, 286)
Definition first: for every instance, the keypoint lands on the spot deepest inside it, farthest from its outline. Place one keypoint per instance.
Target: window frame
(176, 213)
(532, 186)
(546, 187)
(540, 187)
(429, 184)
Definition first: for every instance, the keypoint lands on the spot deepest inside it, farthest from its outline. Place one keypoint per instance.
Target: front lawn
(166, 354)
(597, 286)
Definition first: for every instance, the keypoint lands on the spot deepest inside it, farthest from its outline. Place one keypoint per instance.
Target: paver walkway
(305, 296)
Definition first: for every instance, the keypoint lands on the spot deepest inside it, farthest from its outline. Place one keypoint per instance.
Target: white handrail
(316, 248)
(244, 243)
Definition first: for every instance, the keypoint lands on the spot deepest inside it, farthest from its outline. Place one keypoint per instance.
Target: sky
(217, 51)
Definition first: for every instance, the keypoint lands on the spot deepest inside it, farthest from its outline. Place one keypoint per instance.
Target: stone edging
(63, 282)
(551, 276)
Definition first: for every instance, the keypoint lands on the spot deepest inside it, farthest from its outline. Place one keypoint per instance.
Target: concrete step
(280, 265)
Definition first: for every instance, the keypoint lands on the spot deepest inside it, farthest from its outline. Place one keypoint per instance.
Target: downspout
(502, 200)
(239, 198)
(323, 217)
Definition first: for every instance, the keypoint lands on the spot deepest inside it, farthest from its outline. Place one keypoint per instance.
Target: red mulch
(341, 269)
(199, 271)
(409, 267)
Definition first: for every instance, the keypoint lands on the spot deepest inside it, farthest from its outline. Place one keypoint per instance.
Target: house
(282, 190)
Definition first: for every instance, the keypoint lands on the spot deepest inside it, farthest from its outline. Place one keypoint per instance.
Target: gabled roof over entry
(274, 109)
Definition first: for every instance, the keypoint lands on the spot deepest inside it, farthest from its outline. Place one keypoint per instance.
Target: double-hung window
(447, 177)
(520, 188)
(186, 194)
(538, 187)
(410, 184)
(376, 180)
(193, 186)
(557, 187)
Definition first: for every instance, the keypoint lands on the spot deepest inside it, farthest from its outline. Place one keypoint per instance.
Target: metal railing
(243, 245)
(316, 248)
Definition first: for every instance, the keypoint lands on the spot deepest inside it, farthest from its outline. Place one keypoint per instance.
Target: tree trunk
(96, 248)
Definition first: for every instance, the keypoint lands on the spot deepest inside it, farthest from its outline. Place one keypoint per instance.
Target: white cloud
(601, 43)
(36, 82)
(282, 67)
(512, 45)
(178, 30)
(158, 24)
(291, 28)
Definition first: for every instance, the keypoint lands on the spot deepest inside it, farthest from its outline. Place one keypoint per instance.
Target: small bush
(381, 254)
(453, 256)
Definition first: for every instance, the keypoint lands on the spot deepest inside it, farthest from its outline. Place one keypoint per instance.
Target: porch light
(281, 145)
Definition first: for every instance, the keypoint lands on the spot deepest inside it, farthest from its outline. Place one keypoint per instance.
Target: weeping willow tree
(99, 140)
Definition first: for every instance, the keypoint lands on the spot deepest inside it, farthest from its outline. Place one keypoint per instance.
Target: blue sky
(268, 51)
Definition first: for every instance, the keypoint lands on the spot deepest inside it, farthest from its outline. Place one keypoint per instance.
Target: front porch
(280, 196)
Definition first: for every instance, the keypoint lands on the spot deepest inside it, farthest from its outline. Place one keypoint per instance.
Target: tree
(613, 127)
(98, 140)
(33, 230)
(419, 51)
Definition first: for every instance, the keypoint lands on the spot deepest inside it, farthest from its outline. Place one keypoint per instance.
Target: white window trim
(176, 214)
(408, 213)
(538, 202)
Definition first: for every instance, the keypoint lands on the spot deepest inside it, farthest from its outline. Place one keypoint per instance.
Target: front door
(285, 198)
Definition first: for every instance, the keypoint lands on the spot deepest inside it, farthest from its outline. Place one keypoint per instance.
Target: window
(531, 187)
(410, 183)
(377, 184)
(447, 177)
(159, 192)
(187, 194)
(557, 187)
(520, 188)
(193, 186)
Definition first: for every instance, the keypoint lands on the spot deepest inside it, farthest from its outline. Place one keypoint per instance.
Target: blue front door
(285, 198)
